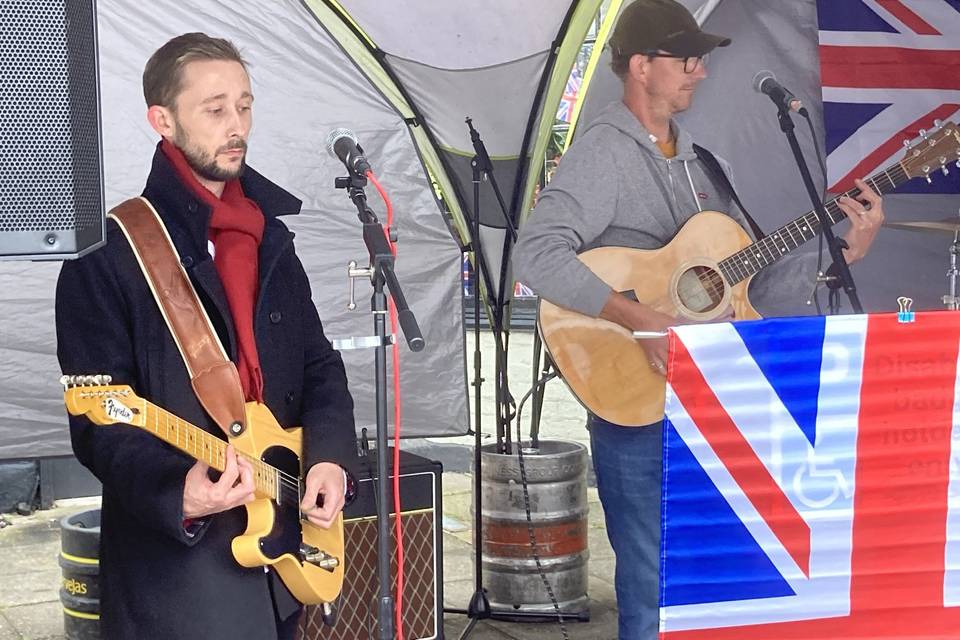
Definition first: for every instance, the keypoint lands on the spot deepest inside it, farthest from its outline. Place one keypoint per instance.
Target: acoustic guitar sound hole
(700, 289)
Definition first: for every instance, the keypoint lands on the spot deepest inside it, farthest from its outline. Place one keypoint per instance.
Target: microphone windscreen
(336, 135)
(760, 78)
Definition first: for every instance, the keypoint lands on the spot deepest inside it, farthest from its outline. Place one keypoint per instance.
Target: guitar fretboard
(753, 258)
(269, 481)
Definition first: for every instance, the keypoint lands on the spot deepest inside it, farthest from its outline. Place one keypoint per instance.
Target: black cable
(372, 621)
(823, 170)
(816, 144)
(526, 506)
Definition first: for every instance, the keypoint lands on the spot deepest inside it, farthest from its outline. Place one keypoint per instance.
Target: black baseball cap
(662, 25)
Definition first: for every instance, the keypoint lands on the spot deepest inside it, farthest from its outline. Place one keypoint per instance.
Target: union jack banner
(811, 480)
(889, 68)
(569, 99)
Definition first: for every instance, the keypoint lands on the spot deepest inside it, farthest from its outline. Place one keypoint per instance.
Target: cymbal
(947, 225)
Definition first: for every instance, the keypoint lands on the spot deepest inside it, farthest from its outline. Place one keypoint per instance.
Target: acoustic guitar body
(605, 367)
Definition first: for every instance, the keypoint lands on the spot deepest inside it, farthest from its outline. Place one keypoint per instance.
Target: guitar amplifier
(421, 514)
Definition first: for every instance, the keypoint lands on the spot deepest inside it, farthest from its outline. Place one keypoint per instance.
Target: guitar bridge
(319, 558)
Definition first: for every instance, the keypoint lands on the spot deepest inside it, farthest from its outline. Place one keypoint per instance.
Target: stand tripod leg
(467, 629)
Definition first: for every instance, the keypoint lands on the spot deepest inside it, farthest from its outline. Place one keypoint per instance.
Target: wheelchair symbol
(818, 474)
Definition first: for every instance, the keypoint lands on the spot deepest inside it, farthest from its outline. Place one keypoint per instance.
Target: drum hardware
(947, 225)
(951, 298)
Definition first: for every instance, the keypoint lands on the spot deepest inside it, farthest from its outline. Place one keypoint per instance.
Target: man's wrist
(349, 487)
(192, 526)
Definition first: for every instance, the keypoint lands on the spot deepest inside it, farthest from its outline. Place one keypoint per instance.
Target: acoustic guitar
(703, 271)
(308, 559)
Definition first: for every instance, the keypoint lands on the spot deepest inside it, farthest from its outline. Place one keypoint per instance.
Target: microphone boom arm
(382, 260)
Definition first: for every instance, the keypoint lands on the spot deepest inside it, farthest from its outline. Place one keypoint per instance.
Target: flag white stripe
(821, 483)
(951, 578)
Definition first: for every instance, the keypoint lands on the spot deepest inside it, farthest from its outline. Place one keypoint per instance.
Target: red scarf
(236, 228)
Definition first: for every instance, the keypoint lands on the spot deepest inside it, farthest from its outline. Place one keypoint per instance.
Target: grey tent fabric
(478, 59)
(485, 60)
(304, 87)
(734, 121)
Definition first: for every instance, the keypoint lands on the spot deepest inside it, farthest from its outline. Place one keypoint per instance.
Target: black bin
(80, 566)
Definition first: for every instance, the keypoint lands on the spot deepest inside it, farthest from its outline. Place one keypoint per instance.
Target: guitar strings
(285, 480)
(714, 281)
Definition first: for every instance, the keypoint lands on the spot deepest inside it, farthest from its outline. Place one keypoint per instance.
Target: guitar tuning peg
(938, 123)
(945, 170)
(107, 379)
(906, 143)
(929, 179)
(923, 133)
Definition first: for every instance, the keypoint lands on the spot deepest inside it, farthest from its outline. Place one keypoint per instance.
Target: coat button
(186, 261)
(288, 397)
(275, 317)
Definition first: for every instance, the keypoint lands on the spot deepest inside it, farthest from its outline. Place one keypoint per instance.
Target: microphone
(342, 143)
(766, 82)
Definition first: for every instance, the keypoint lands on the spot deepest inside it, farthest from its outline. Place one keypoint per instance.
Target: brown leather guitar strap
(213, 376)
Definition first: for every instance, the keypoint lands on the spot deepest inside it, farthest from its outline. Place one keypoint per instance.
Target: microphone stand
(479, 607)
(835, 245)
(482, 168)
(381, 272)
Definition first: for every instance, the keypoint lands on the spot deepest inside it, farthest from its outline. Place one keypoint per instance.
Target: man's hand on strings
(640, 317)
(866, 215)
(323, 494)
(203, 497)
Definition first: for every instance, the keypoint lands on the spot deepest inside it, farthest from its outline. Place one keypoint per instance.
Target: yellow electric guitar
(704, 270)
(309, 559)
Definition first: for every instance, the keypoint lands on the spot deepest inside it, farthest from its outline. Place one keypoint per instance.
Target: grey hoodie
(613, 187)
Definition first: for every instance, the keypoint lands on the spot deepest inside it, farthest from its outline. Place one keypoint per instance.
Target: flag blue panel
(711, 556)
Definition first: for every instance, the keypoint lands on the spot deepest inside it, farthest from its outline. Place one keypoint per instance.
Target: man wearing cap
(633, 179)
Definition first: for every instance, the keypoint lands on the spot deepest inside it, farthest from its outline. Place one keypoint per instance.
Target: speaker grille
(358, 600)
(50, 177)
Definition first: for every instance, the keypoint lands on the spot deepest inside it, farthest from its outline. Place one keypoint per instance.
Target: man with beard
(167, 521)
(633, 179)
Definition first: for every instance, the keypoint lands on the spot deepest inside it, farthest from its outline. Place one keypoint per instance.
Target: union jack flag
(889, 68)
(811, 485)
(570, 94)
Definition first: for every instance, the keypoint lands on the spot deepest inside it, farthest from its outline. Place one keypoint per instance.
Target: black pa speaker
(421, 513)
(51, 176)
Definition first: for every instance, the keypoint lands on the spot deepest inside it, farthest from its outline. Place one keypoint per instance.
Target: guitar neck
(269, 481)
(751, 259)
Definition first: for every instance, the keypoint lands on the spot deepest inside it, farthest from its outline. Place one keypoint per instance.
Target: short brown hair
(619, 62)
(163, 75)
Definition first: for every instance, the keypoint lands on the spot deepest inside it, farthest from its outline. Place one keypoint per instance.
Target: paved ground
(30, 576)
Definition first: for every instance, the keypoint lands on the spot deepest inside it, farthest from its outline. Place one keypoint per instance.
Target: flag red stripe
(903, 456)
(888, 148)
(888, 68)
(932, 623)
(905, 14)
(903, 462)
(746, 468)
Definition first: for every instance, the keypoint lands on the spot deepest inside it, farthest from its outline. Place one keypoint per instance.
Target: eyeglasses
(690, 63)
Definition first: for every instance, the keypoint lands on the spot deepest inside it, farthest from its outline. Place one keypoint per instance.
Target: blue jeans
(628, 463)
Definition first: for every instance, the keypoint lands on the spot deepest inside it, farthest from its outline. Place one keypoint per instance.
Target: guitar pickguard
(285, 535)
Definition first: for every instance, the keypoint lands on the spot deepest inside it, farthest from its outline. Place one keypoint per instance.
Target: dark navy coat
(156, 580)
